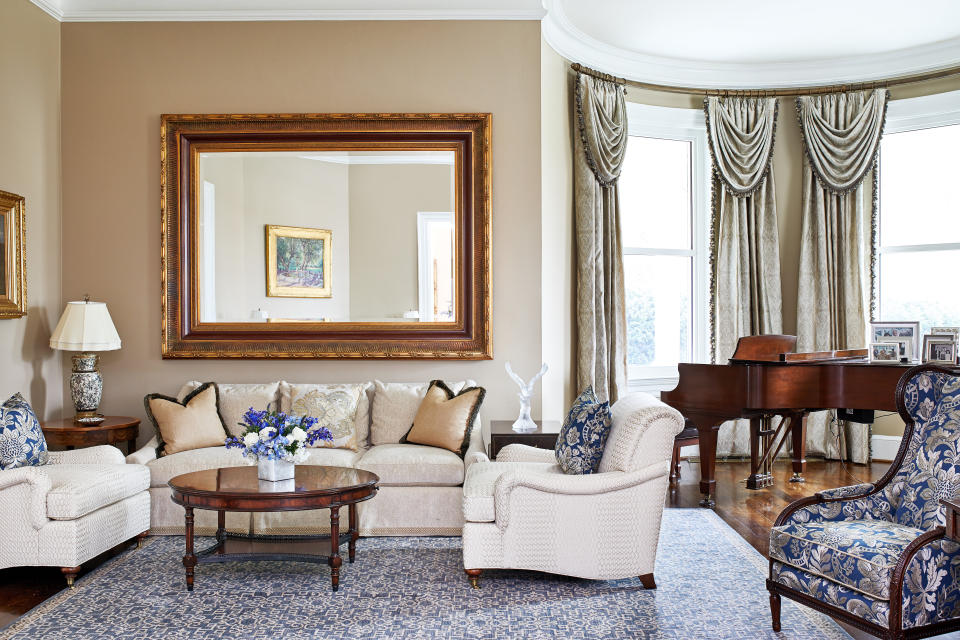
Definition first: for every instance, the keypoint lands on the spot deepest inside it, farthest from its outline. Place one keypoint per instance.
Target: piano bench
(686, 438)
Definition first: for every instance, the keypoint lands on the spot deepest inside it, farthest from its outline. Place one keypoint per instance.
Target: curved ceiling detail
(745, 44)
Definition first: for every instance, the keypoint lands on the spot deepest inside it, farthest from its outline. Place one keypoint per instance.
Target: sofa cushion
(79, 489)
(478, 488)
(235, 399)
(335, 406)
(445, 419)
(859, 554)
(361, 420)
(21, 438)
(413, 465)
(394, 407)
(194, 423)
(165, 468)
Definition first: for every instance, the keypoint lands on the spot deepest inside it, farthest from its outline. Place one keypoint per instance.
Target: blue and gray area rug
(711, 585)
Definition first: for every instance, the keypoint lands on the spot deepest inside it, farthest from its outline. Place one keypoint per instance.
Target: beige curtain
(745, 275)
(841, 135)
(601, 317)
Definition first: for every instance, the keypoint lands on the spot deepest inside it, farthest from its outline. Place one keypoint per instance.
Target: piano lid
(783, 348)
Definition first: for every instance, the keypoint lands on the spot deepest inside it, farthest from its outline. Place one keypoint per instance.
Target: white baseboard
(884, 448)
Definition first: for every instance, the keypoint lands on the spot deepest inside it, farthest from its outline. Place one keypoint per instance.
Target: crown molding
(56, 9)
(51, 7)
(572, 43)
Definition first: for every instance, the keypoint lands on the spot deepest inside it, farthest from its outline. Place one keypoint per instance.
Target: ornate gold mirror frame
(184, 137)
(13, 270)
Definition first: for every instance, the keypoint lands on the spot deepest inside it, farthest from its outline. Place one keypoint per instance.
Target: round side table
(69, 434)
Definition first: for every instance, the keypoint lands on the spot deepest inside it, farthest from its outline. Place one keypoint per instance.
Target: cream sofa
(421, 488)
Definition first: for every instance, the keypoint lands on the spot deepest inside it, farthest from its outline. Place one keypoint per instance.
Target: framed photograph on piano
(896, 331)
(939, 349)
(884, 352)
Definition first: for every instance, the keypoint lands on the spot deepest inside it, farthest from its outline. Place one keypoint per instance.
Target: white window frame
(689, 125)
(915, 114)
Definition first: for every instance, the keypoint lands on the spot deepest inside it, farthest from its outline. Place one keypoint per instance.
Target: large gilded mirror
(326, 235)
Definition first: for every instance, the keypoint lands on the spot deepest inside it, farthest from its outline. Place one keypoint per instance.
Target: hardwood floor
(750, 513)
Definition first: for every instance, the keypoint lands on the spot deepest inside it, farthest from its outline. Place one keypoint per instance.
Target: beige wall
(788, 165)
(30, 167)
(557, 268)
(384, 202)
(119, 77)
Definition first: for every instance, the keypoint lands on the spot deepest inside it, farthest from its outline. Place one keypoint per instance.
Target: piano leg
(761, 439)
(799, 434)
(708, 460)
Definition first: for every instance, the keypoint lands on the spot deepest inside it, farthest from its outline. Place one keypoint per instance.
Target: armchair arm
(557, 483)
(524, 453)
(847, 493)
(145, 454)
(39, 487)
(101, 454)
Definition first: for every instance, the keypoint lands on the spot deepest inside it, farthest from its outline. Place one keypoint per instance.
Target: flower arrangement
(272, 435)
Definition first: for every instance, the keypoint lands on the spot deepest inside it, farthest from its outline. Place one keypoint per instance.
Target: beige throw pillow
(445, 420)
(361, 419)
(193, 424)
(395, 405)
(335, 406)
(233, 400)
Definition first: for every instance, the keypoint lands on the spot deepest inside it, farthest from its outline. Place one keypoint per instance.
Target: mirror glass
(326, 236)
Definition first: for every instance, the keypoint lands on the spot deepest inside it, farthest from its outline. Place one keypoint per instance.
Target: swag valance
(841, 135)
(741, 133)
(602, 121)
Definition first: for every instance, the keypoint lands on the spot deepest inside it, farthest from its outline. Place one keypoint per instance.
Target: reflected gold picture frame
(13, 296)
(276, 289)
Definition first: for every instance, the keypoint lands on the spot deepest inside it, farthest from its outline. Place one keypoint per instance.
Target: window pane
(909, 291)
(659, 320)
(655, 194)
(917, 184)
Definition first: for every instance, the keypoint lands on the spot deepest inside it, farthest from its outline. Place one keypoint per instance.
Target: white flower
(297, 434)
(267, 434)
(250, 439)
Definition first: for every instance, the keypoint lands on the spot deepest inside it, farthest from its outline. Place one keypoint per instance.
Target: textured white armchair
(75, 507)
(523, 512)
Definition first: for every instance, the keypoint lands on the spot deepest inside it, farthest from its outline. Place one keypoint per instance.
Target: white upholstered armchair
(523, 512)
(75, 507)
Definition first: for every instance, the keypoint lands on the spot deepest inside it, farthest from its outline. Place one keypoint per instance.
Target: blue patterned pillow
(21, 439)
(583, 435)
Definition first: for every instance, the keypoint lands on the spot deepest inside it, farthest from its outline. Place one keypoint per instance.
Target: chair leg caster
(474, 576)
(70, 573)
(647, 581)
(140, 538)
(775, 610)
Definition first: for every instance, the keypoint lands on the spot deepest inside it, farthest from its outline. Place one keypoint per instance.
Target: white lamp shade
(85, 326)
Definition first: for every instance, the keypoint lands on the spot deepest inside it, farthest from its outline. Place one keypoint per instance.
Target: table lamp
(85, 327)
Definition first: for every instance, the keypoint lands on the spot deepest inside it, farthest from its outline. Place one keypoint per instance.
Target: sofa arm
(145, 454)
(525, 453)
(557, 483)
(100, 454)
(39, 488)
(846, 493)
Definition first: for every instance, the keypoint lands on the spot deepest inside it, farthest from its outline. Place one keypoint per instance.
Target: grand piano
(765, 380)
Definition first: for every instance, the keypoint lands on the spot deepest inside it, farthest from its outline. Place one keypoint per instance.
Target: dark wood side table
(68, 434)
(502, 434)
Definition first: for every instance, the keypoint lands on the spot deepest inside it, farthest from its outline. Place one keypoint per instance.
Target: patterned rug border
(754, 557)
(760, 561)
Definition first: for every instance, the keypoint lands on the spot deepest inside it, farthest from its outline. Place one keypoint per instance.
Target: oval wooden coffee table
(239, 489)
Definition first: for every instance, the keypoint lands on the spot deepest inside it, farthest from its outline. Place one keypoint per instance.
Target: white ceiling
(704, 43)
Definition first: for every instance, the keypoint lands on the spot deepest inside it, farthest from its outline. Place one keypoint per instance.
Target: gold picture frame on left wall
(13, 266)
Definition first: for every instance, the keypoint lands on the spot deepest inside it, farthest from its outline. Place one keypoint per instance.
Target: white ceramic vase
(275, 470)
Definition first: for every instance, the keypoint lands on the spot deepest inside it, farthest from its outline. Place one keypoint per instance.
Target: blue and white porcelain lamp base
(86, 388)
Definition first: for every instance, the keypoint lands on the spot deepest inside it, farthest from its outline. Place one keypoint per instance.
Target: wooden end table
(114, 429)
(239, 489)
(502, 434)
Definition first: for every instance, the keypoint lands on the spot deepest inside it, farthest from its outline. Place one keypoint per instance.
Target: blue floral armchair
(875, 555)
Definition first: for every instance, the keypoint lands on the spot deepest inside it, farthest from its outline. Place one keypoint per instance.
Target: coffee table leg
(354, 532)
(335, 560)
(189, 559)
(221, 526)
